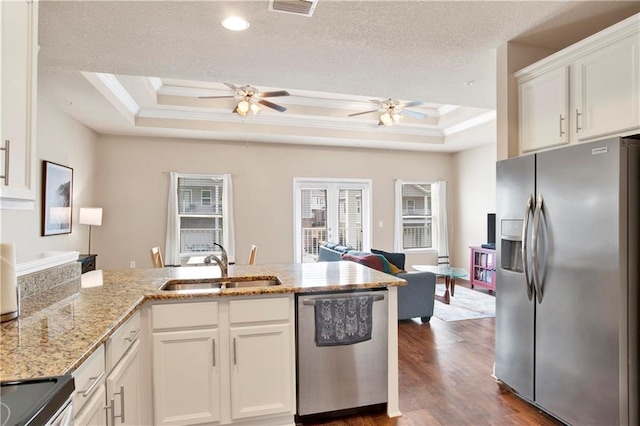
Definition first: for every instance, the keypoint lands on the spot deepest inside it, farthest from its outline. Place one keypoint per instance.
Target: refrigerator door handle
(525, 234)
(534, 248)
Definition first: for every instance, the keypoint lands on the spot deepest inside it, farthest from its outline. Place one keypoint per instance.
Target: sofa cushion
(397, 259)
(374, 261)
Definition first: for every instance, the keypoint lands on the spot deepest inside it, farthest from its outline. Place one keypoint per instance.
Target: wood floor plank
(445, 379)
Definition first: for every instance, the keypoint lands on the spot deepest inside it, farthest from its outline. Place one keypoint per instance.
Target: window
(416, 216)
(196, 224)
(205, 197)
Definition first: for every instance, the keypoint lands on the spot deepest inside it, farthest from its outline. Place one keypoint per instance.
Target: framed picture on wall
(57, 196)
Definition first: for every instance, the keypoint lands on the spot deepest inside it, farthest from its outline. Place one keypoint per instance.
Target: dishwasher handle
(312, 302)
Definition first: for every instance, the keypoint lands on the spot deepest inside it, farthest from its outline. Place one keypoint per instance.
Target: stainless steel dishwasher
(334, 378)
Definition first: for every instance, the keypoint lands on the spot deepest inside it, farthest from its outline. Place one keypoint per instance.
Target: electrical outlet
(132, 264)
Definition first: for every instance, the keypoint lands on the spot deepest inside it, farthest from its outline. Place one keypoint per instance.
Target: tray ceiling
(139, 67)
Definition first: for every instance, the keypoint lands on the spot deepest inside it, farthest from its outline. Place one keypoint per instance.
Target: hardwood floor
(445, 379)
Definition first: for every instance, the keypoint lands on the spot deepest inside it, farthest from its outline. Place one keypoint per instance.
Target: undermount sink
(213, 284)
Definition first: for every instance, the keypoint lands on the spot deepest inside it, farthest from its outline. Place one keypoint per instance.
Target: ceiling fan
(393, 110)
(251, 99)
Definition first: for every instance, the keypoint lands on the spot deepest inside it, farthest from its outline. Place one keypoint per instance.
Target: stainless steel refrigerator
(567, 280)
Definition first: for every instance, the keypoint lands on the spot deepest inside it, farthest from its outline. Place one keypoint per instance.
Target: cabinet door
(186, 377)
(606, 90)
(261, 370)
(93, 412)
(544, 103)
(18, 77)
(123, 389)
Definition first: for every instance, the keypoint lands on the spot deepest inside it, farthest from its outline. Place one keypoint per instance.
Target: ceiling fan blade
(361, 113)
(273, 94)
(216, 97)
(272, 105)
(414, 114)
(412, 104)
(231, 86)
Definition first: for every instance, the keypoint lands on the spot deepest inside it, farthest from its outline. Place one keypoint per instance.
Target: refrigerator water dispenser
(511, 244)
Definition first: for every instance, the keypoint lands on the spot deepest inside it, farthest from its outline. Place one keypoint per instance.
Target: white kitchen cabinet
(606, 90)
(588, 91)
(229, 361)
(186, 371)
(18, 77)
(123, 390)
(89, 396)
(93, 413)
(261, 373)
(544, 110)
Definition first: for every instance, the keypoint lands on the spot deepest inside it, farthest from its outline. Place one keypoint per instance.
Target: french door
(331, 210)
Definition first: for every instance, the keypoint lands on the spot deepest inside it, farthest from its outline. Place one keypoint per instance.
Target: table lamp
(91, 216)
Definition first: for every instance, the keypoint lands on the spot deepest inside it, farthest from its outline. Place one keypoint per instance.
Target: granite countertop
(60, 328)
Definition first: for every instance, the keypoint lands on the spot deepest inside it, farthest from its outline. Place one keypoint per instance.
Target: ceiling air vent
(298, 7)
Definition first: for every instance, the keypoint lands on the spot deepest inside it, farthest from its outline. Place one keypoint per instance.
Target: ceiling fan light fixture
(397, 118)
(386, 119)
(235, 23)
(255, 108)
(243, 107)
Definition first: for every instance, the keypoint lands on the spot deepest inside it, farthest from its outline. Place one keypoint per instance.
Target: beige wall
(65, 141)
(132, 187)
(475, 196)
(126, 176)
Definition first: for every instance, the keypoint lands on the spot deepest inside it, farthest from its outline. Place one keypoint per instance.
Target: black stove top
(33, 401)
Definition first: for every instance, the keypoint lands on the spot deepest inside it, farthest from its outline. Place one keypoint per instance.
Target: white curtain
(229, 241)
(398, 238)
(439, 199)
(172, 245)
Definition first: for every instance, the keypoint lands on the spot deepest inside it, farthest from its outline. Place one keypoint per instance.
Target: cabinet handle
(234, 352)
(214, 352)
(132, 335)
(113, 411)
(7, 142)
(578, 115)
(91, 388)
(109, 408)
(561, 120)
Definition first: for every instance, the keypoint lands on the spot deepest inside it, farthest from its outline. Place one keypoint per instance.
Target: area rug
(466, 304)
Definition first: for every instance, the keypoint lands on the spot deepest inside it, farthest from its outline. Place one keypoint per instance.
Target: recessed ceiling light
(469, 83)
(235, 23)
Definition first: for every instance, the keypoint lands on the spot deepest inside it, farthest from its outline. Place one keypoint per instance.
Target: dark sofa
(416, 299)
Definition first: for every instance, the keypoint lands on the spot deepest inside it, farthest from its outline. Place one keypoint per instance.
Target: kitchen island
(58, 330)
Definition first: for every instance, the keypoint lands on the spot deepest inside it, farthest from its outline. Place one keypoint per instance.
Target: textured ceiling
(412, 50)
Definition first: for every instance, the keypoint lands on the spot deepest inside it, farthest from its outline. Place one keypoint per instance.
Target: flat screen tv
(491, 230)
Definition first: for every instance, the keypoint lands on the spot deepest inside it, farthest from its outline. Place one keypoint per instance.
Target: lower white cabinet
(123, 390)
(93, 413)
(261, 373)
(89, 396)
(224, 362)
(186, 377)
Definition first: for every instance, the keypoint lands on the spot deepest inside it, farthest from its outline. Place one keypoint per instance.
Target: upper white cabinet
(18, 75)
(587, 91)
(544, 110)
(606, 88)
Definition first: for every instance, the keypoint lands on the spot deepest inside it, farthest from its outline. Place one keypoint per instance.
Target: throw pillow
(373, 261)
(397, 259)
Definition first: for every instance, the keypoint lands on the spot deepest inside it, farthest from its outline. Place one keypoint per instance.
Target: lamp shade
(91, 216)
